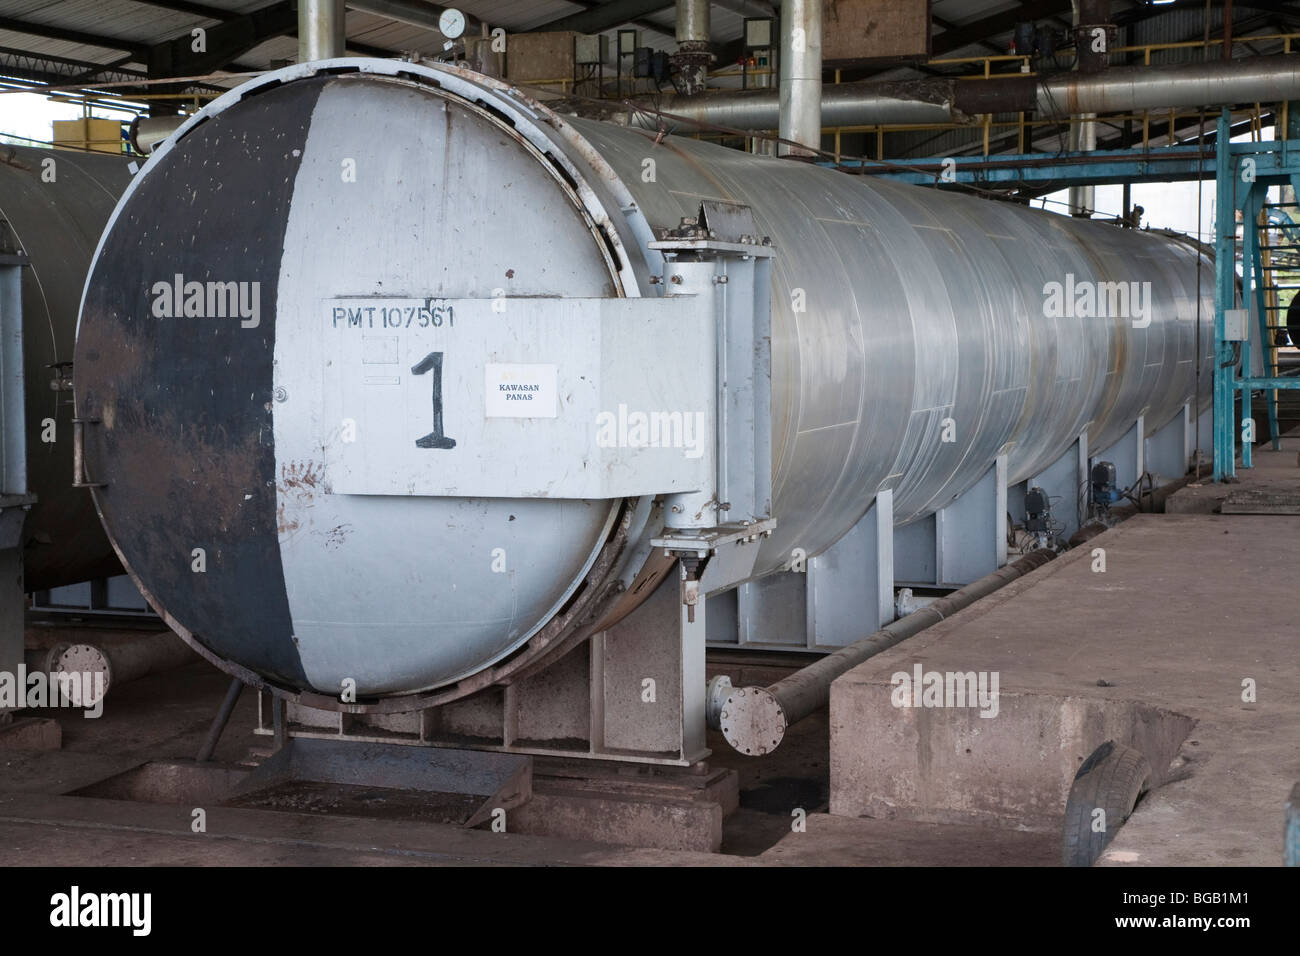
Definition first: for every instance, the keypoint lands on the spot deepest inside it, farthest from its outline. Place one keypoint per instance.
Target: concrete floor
(164, 717)
(1153, 653)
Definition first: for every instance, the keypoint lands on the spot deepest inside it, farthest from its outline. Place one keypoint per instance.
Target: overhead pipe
(692, 58)
(1091, 24)
(320, 30)
(1262, 79)
(754, 719)
(148, 131)
(800, 92)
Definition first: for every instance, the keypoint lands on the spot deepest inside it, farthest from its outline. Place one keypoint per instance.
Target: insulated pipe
(1264, 79)
(801, 76)
(148, 131)
(843, 104)
(692, 21)
(1090, 16)
(120, 661)
(1083, 138)
(320, 29)
(693, 57)
(754, 719)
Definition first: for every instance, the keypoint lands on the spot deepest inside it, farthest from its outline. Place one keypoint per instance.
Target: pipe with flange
(754, 720)
(692, 58)
(119, 661)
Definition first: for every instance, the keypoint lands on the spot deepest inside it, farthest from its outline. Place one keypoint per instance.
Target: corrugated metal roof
(138, 23)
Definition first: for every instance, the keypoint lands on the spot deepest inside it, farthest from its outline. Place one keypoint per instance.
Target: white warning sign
(520, 391)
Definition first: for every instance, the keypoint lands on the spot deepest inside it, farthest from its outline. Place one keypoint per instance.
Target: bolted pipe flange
(752, 721)
(77, 661)
(715, 698)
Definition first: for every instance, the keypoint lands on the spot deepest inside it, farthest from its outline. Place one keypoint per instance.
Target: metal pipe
(692, 58)
(320, 30)
(219, 722)
(1083, 138)
(692, 21)
(119, 661)
(754, 719)
(845, 104)
(801, 76)
(1264, 79)
(148, 131)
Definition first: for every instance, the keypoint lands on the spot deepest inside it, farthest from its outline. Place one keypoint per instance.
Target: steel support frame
(959, 543)
(821, 602)
(1065, 483)
(1244, 172)
(829, 600)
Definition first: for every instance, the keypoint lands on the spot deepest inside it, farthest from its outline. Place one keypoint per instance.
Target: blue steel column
(1224, 295)
(1252, 288)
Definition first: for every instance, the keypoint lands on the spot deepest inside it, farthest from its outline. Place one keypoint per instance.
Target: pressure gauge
(452, 23)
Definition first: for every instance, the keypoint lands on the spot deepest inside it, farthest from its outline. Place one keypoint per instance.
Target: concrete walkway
(1160, 651)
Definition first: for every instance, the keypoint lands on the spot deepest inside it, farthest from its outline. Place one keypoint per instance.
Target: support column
(320, 30)
(1225, 297)
(851, 585)
(801, 75)
(971, 533)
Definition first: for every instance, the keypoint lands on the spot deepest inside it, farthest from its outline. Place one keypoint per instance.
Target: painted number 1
(435, 439)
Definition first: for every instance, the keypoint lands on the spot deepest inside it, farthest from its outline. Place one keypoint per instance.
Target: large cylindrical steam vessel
(53, 206)
(227, 354)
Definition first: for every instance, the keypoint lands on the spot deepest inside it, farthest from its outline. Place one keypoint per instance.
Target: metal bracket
(717, 558)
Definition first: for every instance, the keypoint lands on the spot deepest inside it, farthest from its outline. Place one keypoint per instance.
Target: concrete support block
(951, 765)
(681, 815)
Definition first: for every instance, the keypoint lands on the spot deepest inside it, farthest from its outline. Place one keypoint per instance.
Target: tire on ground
(1111, 780)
